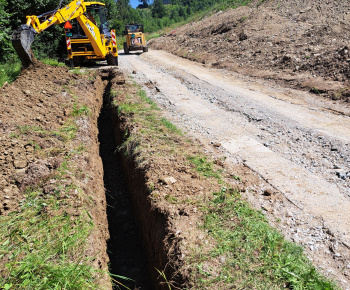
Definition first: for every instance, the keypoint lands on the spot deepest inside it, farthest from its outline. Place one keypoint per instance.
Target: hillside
(304, 44)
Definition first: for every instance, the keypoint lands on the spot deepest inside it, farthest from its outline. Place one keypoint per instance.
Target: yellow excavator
(86, 30)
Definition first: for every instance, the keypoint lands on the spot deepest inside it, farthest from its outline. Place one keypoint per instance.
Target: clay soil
(302, 44)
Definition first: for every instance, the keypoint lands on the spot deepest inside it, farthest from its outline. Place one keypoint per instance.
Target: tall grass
(9, 71)
(43, 248)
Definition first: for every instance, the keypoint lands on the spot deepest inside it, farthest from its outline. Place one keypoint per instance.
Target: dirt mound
(303, 44)
(48, 133)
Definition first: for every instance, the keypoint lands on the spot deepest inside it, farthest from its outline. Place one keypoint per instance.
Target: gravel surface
(297, 147)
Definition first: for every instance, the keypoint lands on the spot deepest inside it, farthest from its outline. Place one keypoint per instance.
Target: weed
(39, 247)
(205, 167)
(13, 135)
(82, 110)
(315, 91)
(171, 127)
(112, 94)
(256, 255)
(234, 177)
(67, 131)
(171, 199)
(9, 71)
(78, 71)
(162, 274)
(52, 62)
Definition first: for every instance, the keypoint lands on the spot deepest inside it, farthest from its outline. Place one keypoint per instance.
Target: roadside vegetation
(244, 252)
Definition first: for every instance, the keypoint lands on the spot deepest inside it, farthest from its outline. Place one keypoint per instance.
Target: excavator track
(21, 42)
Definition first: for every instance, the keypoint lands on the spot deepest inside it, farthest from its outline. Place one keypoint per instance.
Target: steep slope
(305, 44)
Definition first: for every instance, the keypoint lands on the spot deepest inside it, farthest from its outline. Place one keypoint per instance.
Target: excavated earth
(134, 234)
(32, 106)
(302, 44)
(299, 44)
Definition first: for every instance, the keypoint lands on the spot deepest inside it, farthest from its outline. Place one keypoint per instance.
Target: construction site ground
(267, 98)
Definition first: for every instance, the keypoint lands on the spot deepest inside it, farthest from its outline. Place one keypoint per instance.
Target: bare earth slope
(302, 43)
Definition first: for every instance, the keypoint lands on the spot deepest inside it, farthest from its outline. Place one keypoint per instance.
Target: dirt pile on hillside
(302, 43)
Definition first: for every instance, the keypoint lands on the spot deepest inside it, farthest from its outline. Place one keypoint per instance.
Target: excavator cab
(86, 30)
(81, 48)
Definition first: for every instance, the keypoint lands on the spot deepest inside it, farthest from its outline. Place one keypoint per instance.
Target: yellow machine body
(135, 38)
(87, 40)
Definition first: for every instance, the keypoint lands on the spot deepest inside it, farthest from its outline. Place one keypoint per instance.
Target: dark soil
(125, 246)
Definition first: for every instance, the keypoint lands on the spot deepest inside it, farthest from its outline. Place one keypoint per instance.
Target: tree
(158, 9)
(123, 8)
(4, 31)
(144, 3)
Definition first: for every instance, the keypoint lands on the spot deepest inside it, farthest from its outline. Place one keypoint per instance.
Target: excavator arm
(24, 36)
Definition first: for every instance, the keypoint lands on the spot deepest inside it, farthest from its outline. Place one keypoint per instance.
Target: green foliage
(255, 255)
(79, 111)
(5, 31)
(39, 247)
(9, 71)
(204, 167)
(158, 10)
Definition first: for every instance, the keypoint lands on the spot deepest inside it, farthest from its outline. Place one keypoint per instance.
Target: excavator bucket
(22, 40)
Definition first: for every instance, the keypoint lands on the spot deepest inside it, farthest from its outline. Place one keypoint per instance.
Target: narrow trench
(125, 250)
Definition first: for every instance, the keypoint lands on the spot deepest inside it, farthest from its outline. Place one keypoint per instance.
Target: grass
(43, 244)
(44, 249)
(9, 71)
(80, 110)
(255, 256)
(205, 167)
(65, 133)
(52, 62)
(147, 113)
(244, 251)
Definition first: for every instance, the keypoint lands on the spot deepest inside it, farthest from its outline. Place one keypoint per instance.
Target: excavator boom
(77, 9)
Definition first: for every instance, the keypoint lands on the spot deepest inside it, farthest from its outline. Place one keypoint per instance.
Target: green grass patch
(43, 248)
(80, 110)
(254, 255)
(52, 62)
(9, 71)
(205, 167)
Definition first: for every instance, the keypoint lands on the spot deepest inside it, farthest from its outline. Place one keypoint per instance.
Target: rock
(267, 208)
(134, 72)
(168, 180)
(268, 192)
(216, 144)
(289, 214)
(222, 259)
(20, 163)
(342, 175)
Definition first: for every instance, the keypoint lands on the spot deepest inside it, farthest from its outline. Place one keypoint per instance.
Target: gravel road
(297, 143)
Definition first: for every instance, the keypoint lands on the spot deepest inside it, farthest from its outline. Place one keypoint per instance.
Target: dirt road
(297, 143)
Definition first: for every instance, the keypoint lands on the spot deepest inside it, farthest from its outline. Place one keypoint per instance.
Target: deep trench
(125, 248)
